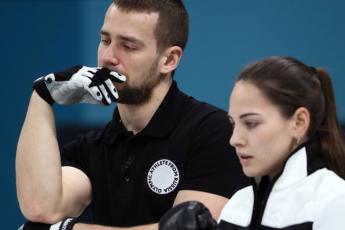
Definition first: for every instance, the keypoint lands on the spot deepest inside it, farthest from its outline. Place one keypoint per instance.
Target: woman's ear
(170, 59)
(301, 123)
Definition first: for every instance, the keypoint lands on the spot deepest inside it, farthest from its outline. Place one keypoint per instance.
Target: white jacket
(305, 195)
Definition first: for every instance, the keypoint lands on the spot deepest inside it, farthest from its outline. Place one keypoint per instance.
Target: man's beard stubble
(141, 94)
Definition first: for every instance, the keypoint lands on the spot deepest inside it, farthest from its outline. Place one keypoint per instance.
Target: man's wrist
(38, 101)
(42, 90)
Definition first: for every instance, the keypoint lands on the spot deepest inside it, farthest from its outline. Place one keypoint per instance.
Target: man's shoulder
(196, 105)
(203, 115)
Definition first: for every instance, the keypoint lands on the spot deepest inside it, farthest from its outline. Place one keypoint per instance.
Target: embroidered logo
(163, 177)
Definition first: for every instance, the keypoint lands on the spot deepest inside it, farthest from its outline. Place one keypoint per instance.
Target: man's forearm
(80, 226)
(38, 168)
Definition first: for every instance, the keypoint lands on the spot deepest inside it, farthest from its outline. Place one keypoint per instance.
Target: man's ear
(170, 59)
(301, 123)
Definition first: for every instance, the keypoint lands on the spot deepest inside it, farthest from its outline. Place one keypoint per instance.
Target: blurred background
(43, 36)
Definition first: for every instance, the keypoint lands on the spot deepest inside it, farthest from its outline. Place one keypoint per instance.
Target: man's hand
(79, 84)
(66, 224)
(190, 215)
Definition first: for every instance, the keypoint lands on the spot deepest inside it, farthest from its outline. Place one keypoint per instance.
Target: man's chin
(134, 99)
(132, 102)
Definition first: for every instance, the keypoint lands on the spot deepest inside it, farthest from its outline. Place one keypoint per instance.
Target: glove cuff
(42, 90)
(66, 224)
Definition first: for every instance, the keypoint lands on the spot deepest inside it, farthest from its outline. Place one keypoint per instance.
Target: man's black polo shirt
(135, 178)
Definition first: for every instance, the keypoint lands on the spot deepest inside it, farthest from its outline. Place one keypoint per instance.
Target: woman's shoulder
(328, 182)
(332, 216)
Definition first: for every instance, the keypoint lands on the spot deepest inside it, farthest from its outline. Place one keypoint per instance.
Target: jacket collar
(305, 160)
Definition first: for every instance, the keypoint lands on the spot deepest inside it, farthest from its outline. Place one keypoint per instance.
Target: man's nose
(109, 56)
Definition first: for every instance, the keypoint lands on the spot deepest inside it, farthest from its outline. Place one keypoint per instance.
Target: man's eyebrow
(130, 39)
(103, 32)
(123, 38)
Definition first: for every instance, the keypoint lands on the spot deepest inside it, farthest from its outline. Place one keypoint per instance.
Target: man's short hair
(172, 26)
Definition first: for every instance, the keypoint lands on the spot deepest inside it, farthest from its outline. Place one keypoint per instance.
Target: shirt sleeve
(213, 165)
(76, 153)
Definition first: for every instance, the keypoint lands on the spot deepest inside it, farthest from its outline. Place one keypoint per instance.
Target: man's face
(128, 46)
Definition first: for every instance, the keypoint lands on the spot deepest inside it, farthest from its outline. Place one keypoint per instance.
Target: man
(161, 148)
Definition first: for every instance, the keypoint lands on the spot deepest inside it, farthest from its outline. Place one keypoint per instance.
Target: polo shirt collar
(166, 116)
(160, 125)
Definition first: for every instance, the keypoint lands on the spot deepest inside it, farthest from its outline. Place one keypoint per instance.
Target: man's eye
(105, 41)
(129, 47)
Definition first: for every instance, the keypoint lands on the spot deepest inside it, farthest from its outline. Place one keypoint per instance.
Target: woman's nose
(236, 139)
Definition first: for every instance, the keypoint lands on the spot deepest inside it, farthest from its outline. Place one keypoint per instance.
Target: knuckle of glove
(191, 215)
(49, 78)
(65, 75)
(100, 77)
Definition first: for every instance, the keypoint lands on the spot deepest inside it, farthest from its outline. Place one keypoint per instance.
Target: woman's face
(263, 138)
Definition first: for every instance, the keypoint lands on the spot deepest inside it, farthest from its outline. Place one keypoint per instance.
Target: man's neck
(136, 117)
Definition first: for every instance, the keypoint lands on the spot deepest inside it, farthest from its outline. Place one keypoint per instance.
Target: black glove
(66, 224)
(79, 84)
(190, 215)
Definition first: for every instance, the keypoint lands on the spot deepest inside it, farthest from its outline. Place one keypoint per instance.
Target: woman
(288, 139)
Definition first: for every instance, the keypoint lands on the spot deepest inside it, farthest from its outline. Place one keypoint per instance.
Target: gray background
(42, 36)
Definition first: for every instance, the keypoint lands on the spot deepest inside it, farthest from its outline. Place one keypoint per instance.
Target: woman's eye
(251, 124)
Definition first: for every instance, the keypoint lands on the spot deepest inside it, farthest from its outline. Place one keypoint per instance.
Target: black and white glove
(190, 215)
(79, 84)
(66, 224)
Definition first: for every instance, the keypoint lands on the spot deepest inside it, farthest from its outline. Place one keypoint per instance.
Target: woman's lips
(244, 158)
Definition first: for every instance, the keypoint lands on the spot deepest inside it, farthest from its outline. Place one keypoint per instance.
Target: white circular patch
(163, 177)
